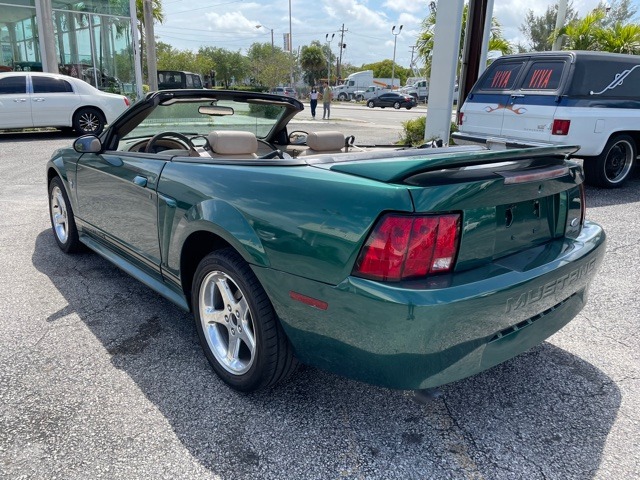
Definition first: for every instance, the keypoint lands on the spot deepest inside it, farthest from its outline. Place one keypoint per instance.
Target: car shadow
(544, 414)
(29, 135)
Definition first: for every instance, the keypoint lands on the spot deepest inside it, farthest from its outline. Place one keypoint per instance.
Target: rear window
(11, 85)
(50, 85)
(501, 76)
(543, 76)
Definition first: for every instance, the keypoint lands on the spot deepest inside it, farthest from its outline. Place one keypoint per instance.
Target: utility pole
(342, 32)
(393, 65)
(329, 40)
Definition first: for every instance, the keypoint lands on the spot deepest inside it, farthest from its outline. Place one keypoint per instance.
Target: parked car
(35, 99)
(286, 91)
(171, 79)
(411, 267)
(392, 99)
(588, 99)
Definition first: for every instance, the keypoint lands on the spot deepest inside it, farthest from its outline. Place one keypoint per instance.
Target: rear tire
(237, 325)
(396, 105)
(89, 121)
(614, 165)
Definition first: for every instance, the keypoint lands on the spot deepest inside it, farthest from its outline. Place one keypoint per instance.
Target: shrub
(413, 131)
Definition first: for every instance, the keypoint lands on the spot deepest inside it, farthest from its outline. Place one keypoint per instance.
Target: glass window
(13, 85)
(50, 85)
(543, 76)
(502, 76)
(189, 79)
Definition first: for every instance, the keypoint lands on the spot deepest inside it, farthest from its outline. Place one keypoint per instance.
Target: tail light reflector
(460, 118)
(560, 127)
(127, 102)
(402, 247)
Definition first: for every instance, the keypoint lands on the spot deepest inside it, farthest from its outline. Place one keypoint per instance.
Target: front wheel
(396, 105)
(370, 104)
(342, 97)
(237, 325)
(614, 165)
(62, 219)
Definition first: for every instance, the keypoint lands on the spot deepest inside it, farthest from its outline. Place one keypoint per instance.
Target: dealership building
(92, 40)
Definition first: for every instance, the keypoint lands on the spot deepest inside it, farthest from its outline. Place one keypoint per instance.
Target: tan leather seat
(233, 144)
(324, 142)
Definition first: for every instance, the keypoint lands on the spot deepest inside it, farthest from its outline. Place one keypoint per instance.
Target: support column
(443, 71)
(46, 36)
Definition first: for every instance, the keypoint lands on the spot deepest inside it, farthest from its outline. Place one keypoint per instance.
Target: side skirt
(151, 282)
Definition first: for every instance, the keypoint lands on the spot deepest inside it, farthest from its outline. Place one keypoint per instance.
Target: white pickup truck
(419, 90)
(370, 92)
(587, 99)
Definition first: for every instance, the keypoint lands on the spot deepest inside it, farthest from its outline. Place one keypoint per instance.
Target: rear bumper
(496, 143)
(415, 336)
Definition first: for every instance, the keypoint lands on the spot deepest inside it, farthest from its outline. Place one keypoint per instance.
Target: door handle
(38, 99)
(19, 100)
(517, 95)
(140, 181)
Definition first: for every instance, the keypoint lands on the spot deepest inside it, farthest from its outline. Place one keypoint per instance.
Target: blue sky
(231, 24)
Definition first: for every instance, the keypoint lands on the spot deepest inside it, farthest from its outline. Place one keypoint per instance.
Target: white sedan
(36, 99)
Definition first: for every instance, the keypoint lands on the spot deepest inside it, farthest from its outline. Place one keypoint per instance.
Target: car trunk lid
(510, 200)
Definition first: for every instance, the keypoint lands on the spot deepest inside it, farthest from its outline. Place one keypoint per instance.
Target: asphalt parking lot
(102, 378)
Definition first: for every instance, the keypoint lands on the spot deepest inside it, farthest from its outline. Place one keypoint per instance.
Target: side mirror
(87, 144)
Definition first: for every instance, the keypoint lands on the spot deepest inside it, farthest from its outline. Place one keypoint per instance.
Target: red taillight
(460, 118)
(560, 127)
(127, 102)
(403, 247)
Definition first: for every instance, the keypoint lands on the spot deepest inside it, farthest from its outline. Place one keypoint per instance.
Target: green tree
(617, 11)
(313, 60)
(539, 28)
(384, 69)
(620, 38)
(582, 33)
(228, 65)
(170, 58)
(270, 67)
(426, 38)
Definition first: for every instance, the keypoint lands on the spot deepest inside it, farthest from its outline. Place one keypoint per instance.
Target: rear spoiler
(396, 166)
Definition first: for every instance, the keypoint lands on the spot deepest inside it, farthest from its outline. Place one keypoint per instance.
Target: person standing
(327, 96)
(313, 96)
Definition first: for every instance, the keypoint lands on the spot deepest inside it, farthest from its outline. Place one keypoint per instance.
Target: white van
(587, 99)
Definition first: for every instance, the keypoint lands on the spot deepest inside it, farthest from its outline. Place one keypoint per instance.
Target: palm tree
(158, 16)
(620, 38)
(426, 38)
(582, 33)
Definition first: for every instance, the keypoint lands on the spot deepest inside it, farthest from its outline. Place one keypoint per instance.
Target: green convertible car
(403, 267)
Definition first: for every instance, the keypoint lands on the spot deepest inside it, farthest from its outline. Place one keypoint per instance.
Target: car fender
(62, 164)
(177, 225)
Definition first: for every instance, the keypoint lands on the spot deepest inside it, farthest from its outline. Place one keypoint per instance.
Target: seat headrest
(325, 141)
(231, 142)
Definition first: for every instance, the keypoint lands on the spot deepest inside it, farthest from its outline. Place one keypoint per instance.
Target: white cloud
(404, 5)
(230, 21)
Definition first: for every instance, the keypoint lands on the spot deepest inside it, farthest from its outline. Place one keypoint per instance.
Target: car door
(15, 107)
(384, 100)
(532, 106)
(53, 101)
(484, 108)
(117, 202)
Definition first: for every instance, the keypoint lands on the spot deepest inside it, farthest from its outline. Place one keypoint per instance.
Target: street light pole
(393, 65)
(264, 26)
(329, 59)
